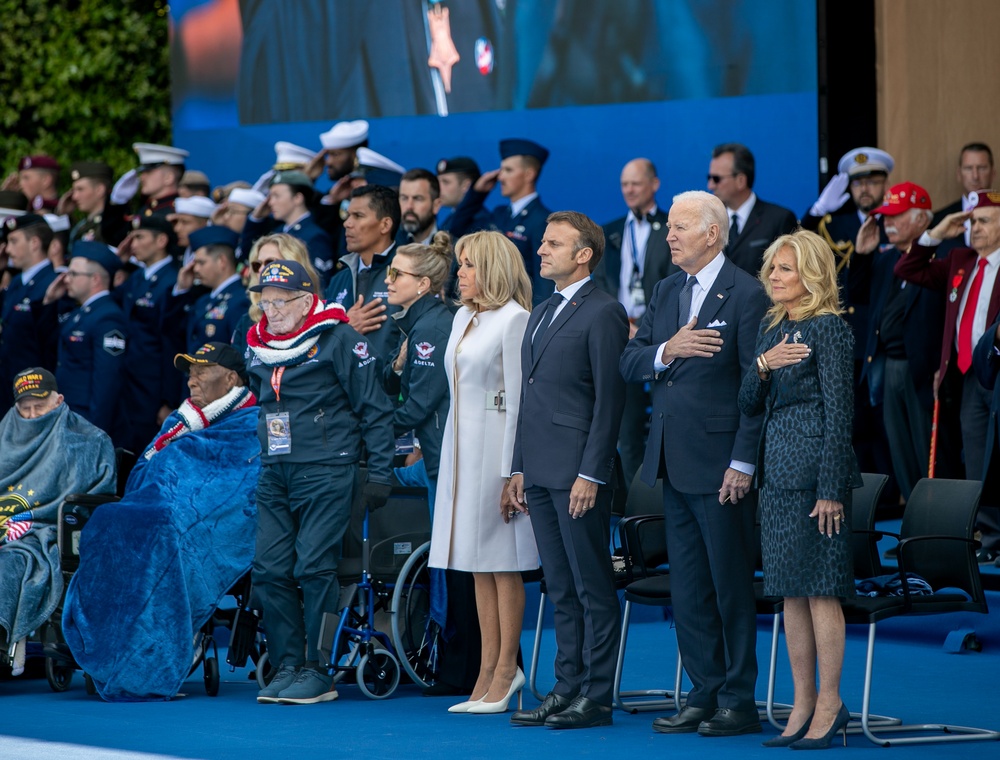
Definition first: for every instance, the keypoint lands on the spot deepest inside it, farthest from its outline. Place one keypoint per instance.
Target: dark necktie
(364, 281)
(684, 304)
(734, 228)
(550, 311)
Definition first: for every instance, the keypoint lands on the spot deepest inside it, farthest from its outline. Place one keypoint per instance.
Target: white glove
(125, 188)
(834, 195)
(262, 183)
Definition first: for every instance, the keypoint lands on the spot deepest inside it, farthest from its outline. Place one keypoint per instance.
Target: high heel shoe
(784, 741)
(463, 707)
(487, 708)
(839, 723)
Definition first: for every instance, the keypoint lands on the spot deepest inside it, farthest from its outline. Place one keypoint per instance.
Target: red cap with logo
(903, 197)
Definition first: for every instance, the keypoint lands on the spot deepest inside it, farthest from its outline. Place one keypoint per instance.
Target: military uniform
(343, 289)
(210, 317)
(24, 339)
(151, 381)
(317, 241)
(158, 206)
(91, 366)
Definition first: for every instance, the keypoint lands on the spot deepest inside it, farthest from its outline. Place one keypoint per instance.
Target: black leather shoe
(684, 722)
(551, 705)
(727, 722)
(581, 713)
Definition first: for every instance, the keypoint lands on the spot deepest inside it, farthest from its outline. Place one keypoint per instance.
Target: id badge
(279, 434)
(638, 295)
(404, 444)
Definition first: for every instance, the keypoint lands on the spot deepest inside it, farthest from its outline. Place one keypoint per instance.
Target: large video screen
(596, 81)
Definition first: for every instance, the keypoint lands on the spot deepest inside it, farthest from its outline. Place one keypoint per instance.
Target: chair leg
(666, 697)
(533, 674)
(616, 695)
(943, 732)
(772, 676)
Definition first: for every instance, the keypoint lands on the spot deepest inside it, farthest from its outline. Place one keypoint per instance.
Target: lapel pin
(719, 295)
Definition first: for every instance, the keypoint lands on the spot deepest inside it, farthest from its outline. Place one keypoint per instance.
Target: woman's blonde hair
(289, 249)
(817, 271)
(500, 273)
(431, 261)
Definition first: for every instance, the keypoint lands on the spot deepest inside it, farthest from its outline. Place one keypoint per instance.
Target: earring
(420, 292)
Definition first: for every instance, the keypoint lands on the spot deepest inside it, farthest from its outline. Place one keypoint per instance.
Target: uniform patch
(484, 56)
(424, 350)
(312, 352)
(341, 296)
(361, 350)
(114, 342)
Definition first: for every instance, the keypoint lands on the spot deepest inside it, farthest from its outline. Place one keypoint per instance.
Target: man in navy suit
(695, 343)
(523, 220)
(636, 257)
(564, 467)
(23, 339)
(986, 361)
(753, 223)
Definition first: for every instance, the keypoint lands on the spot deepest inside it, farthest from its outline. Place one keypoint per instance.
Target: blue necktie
(550, 311)
(684, 307)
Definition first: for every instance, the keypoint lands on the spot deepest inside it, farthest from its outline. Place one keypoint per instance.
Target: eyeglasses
(256, 266)
(278, 303)
(392, 273)
(717, 178)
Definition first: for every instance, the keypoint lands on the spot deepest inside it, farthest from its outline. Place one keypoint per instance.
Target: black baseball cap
(216, 352)
(34, 381)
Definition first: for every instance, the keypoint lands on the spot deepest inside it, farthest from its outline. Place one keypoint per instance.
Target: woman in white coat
(471, 530)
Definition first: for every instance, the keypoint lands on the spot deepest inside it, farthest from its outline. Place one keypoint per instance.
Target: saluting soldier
(194, 321)
(152, 385)
(105, 222)
(160, 170)
(92, 339)
(24, 339)
(523, 219)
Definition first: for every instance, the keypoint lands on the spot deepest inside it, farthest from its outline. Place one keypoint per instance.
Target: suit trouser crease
(711, 572)
(975, 416)
(907, 425)
(577, 567)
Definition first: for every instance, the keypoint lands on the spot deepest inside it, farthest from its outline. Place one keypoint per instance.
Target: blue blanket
(42, 461)
(154, 566)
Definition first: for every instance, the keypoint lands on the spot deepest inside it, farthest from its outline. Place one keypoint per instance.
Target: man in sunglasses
(753, 223)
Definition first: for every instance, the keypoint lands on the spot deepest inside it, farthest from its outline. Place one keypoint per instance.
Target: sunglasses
(256, 266)
(392, 273)
(717, 178)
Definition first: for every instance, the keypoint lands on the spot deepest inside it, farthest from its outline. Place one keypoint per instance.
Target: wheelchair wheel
(378, 673)
(59, 676)
(211, 668)
(414, 635)
(88, 685)
(264, 670)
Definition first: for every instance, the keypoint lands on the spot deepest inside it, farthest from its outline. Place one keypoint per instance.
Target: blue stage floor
(915, 680)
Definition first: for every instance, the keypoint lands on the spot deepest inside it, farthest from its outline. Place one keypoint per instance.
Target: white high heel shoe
(463, 707)
(488, 708)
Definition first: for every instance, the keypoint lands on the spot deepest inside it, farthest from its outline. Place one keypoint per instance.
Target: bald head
(639, 184)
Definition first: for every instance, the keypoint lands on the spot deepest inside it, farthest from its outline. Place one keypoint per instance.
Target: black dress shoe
(551, 705)
(581, 713)
(727, 722)
(684, 722)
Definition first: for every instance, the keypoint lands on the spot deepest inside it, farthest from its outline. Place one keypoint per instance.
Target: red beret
(984, 198)
(38, 162)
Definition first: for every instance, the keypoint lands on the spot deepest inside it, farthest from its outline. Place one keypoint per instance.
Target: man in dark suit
(904, 330)
(968, 277)
(523, 219)
(975, 173)
(564, 467)
(753, 223)
(636, 257)
(986, 360)
(695, 343)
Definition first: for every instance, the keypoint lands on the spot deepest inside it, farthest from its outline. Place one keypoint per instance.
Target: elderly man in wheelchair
(47, 452)
(154, 565)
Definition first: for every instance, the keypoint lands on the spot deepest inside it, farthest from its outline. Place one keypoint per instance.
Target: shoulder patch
(114, 342)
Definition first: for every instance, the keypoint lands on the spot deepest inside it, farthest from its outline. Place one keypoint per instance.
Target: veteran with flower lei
(320, 396)
(803, 385)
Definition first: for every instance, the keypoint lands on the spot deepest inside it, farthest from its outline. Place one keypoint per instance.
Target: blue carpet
(915, 680)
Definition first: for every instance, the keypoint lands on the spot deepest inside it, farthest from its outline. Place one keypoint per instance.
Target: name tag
(279, 434)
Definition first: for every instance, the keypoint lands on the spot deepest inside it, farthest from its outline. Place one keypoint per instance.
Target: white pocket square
(716, 323)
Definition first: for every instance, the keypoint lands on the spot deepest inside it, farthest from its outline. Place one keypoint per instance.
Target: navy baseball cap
(287, 275)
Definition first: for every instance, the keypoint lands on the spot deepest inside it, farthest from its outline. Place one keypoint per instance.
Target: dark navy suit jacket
(987, 364)
(572, 395)
(656, 266)
(697, 428)
(765, 223)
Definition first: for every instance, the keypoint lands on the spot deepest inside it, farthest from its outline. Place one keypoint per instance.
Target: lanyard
(276, 374)
(635, 248)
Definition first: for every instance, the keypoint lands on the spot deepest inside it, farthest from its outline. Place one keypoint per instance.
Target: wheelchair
(383, 629)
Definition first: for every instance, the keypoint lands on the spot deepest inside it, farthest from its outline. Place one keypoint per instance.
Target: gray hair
(711, 210)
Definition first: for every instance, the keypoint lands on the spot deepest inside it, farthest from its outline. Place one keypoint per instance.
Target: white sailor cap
(196, 205)
(58, 222)
(244, 196)
(152, 155)
(288, 155)
(369, 159)
(345, 134)
(861, 162)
